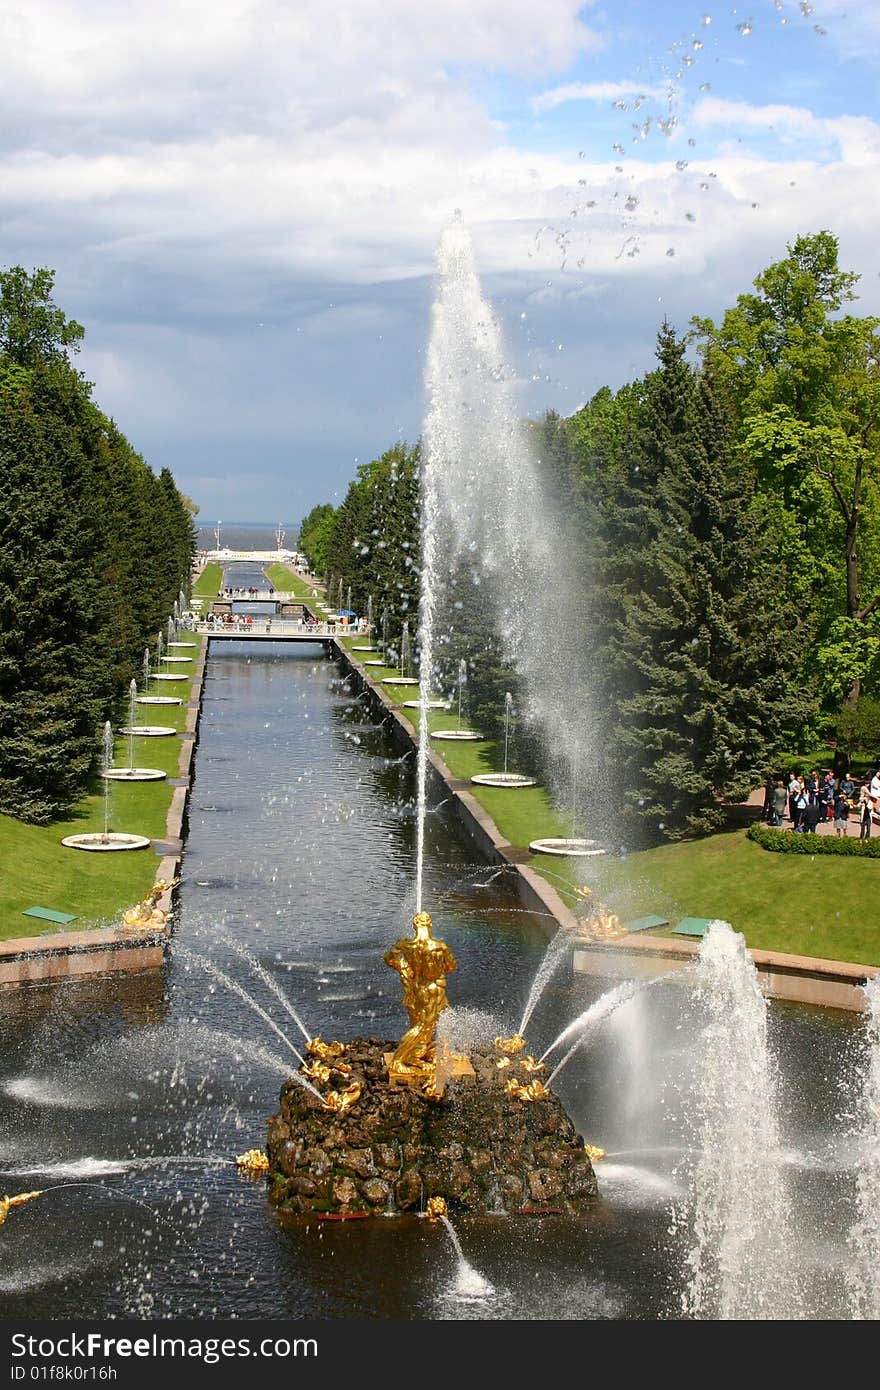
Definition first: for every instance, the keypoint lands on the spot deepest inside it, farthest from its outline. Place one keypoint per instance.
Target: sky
(242, 201)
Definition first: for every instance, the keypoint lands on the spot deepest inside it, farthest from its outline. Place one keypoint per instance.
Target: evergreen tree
(699, 645)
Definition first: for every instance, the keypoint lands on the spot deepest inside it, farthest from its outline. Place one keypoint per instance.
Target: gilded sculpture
(422, 962)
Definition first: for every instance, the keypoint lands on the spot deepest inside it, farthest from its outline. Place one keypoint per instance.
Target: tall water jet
(370, 615)
(106, 765)
(863, 1271)
(739, 1264)
(132, 719)
(405, 655)
(147, 669)
(171, 630)
(491, 502)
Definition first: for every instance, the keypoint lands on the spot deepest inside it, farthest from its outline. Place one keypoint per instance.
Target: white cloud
(593, 91)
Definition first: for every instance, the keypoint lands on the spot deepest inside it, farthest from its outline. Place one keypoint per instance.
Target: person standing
(866, 811)
(779, 803)
(841, 813)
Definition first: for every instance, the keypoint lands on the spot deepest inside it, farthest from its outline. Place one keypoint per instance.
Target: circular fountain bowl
(504, 779)
(147, 730)
(183, 644)
(114, 839)
(399, 680)
(579, 849)
(456, 735)
(365, 649)
(374, 663)
(186, 659)
(159, 700)
(169, 676)
(432, 704)
(134, 774)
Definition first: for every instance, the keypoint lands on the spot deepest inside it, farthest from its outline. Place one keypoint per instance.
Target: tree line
(722, 516)
(94, 549)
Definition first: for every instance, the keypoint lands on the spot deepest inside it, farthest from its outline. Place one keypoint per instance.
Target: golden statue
(436, 1208)
(510, 1045)
(593, 1152)
(325, 1050)
(7, 1203)
(254, 1161)
(148, 913)
(422, 964)
(342, 1100)
(535, 1090)
(532, 1064)
(598, 923)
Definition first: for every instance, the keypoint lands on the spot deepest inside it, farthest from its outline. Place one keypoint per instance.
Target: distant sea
(245, 535)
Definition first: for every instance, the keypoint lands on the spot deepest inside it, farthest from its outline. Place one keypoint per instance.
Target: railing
(260, 627)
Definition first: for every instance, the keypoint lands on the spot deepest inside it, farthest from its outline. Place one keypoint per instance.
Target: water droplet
(697, 45)
(705, 87)
(670, 251)
(707, 19)
(619, 105)
(617, 148)
(805, 8)
(745, 28)
(681, 165)
(756, 205)
(690, 217)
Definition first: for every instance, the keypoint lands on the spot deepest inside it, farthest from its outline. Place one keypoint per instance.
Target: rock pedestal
(480, 1147)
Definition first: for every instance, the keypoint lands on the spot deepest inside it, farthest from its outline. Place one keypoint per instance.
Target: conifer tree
(699, 645)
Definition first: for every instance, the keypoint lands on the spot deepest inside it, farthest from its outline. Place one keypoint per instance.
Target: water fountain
(458, 734)
(147, 698)
(646, 1259)
(133, 729)
(505, 778)
(404, 676)
(131, 773)
(107, 839)
(160, 657)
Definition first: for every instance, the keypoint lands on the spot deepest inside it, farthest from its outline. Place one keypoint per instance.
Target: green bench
(49, 914)
(692, 926)
(646, 923)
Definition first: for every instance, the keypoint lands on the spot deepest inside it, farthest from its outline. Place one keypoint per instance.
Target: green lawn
(799, 904)
(95, 887)
(208, 583)
(284, 579)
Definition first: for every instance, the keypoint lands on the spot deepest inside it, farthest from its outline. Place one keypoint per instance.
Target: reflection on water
(128, 1099)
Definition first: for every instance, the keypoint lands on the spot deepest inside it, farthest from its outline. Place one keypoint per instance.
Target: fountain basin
(134, 774)
(579, 849)
(147, 730)
(113, 840)
(457, 735)
(365, 649)
(431, 704)
(159, 700)
(399, 680)
(183, 644)
(374, 663)
(504, 779)
(186, 660)
(169, 676)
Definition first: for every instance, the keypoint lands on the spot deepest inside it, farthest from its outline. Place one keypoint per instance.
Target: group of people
(815, 798)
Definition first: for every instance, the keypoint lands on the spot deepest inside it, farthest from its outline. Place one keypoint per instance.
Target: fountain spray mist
(481, 482)
(740, 1264)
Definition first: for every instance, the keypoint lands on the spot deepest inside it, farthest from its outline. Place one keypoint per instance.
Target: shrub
(790, 842)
